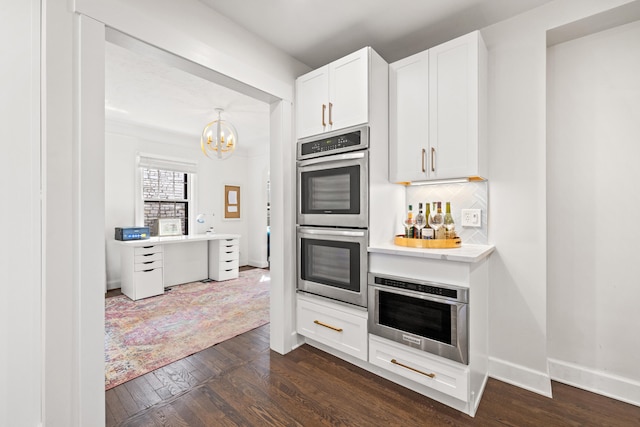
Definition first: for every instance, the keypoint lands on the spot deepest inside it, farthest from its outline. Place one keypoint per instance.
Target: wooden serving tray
(400, 240)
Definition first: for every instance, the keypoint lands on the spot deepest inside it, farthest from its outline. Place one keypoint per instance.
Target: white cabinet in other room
(224, 255)
(142, 271)
(335, 96)
(436, 112)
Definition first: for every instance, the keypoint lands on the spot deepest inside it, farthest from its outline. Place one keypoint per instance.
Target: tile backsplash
(468, 195)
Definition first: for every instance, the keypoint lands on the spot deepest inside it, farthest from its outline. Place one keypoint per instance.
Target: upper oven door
(333, 190)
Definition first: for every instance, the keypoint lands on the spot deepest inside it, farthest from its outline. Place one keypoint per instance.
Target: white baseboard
(520, 376)
(114, 284)
(258, 263)
(593, 380)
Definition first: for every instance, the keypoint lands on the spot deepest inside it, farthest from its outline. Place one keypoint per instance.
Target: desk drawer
(139, 259)
(148, 283)
(231, 264)
(147, 265)
(227, 274)
(143, 250)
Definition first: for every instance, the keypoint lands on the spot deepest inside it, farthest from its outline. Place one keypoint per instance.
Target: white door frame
(88, 394)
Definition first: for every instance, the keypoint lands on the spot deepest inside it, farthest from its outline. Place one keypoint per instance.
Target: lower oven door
(420, 321)
(333, 263)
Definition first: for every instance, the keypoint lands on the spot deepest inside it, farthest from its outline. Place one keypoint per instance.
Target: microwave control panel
(444, 291)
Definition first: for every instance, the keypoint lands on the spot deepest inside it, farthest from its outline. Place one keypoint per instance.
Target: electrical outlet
(471, 217)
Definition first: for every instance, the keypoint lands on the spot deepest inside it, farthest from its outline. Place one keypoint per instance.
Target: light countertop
(467, 253)
(179, 239)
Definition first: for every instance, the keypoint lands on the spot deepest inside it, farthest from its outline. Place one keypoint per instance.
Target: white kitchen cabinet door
(409, 119)
(453, 108)
(349, 90)
(312, 102)
(333, 97)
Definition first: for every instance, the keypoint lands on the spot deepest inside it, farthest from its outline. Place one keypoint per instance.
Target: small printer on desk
(132, 233)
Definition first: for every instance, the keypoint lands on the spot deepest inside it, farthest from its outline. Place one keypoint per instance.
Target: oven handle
(334, 158)
(333, 232)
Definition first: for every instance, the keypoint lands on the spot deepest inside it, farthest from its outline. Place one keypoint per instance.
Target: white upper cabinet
(335, 96)
(436, 129)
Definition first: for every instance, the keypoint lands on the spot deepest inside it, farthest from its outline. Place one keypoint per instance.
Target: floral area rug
(144, 335)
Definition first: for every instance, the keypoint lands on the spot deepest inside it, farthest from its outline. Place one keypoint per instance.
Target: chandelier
(219, 138)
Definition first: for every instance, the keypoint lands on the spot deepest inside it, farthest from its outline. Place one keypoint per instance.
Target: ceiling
(144, 90)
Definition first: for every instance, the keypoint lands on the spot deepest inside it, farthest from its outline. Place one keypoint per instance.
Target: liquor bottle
(427, 231)
(436, 222)
(408, 223)
(449, 225)
(420, 222)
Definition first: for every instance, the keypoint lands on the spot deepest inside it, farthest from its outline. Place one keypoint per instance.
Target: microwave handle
(334, 233)
(337, 157)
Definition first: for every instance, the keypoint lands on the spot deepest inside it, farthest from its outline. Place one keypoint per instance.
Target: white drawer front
(229, 265)
(227, 274)
(333, 325)
(148, 283)
(147, 265)
(139, 259)
(142, 250)
(229, 254)
(421, 368)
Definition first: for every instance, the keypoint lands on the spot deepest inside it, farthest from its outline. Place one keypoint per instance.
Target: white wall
(256, 206)
(20, 215)
(592, 159)
(517, 181)
(123, 142)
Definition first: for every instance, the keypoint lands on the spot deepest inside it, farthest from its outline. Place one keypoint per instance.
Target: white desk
(148, 266)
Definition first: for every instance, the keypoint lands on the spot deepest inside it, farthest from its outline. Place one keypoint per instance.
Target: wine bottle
(408, 223)
(427, 231)
(420, 222)
(437, 221)
(449, 225)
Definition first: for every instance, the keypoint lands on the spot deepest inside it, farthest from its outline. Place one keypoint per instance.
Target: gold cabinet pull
(324, 107)
(424, 154)
(395, 362)
(330, 109)
(433, 159)
(317, 322)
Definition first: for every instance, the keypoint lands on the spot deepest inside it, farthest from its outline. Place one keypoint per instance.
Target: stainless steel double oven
(333, 214)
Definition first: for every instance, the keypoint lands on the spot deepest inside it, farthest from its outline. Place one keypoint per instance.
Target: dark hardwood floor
(241, 382)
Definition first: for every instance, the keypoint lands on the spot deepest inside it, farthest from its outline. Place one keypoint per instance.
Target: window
(165, 194)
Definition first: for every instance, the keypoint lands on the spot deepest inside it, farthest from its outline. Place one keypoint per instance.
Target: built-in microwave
(428, 316)
(332, 262)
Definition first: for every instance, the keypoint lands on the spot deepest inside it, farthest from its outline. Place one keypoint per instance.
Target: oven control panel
(444, 291)
(345, 140)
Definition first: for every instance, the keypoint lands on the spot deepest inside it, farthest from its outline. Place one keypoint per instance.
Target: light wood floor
(241, 382)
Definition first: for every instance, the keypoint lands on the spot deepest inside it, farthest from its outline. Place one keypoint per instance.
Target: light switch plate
(471, 217)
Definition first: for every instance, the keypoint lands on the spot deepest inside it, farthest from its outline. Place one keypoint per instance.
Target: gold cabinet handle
(433, 159)
(395, 362)
(424, 154)
(317, 322)
(330, 109)
(324, 107)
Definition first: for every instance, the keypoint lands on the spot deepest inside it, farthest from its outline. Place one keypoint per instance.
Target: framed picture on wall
(232, 201)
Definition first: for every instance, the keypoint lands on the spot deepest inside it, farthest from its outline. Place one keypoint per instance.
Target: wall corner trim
(520, 376)
(595, 381)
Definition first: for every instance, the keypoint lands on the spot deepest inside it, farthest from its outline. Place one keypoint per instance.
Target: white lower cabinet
(142, 271)
(420, 367)
(338, 326)
(224, 256)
